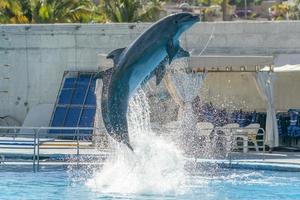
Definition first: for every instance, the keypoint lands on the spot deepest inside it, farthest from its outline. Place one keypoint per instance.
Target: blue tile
(91, 97)
(87, 119)
(65, 96)
(83, 81)
(59, 116)
(72, 119)
(72, 116)
(69, 82)
(78, 96)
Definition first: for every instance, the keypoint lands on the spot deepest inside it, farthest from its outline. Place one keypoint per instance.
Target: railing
(243, 135)
(35, 139)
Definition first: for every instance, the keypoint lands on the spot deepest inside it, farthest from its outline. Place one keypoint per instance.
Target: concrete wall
(34, 57)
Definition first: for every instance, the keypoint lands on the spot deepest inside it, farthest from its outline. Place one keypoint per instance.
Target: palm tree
(11, 12)
(151, 11)
(46, 11)
(58, 11)
(131, 10)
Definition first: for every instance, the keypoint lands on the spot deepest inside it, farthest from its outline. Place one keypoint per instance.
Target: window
(76, 103)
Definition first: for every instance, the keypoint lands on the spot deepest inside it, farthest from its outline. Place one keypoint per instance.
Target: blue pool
(53, 184)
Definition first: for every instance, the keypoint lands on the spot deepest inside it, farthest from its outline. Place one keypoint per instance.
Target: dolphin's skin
(146, 56)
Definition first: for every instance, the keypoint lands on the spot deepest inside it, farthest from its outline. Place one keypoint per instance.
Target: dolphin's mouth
(195, 18)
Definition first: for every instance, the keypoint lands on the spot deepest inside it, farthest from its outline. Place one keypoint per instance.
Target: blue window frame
(76, 103)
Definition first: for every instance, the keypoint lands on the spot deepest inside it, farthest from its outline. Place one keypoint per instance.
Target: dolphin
(145, 57)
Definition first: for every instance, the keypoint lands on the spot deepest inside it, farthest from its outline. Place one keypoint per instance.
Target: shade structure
(265, 81)
(265, 85)
(284, 68)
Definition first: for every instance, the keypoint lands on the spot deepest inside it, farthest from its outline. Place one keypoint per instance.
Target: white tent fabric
(287, 68)
(284, 68)
(265, 82)
(265, 85)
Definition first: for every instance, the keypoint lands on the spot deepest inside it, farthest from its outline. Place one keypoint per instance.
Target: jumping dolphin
(143, 58)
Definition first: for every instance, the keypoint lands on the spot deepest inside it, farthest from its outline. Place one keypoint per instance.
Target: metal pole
(245, 2)
(231, 139)
(77, 147)
(34, 151)
(38, 150)
(264, 148)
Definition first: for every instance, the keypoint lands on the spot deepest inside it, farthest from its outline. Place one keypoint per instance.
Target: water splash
(156, 166)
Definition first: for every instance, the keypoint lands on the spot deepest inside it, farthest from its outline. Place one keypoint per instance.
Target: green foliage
(11, 12)
(210, 2)
(131, 10)
(46, 11)
(284, 11)
(241, 3)
(79, 11)
(67, 11)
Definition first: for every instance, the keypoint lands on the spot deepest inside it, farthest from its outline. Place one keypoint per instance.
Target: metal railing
(243, 135)
(35, 139)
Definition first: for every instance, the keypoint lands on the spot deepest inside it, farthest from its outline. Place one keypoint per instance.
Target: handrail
(32, 136)
(37, 133)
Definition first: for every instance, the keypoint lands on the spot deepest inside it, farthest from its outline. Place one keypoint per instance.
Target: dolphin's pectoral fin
(160, 71)
(172, 49)
(115, 55)
(128, 145)
(182, 53)
(160, 75)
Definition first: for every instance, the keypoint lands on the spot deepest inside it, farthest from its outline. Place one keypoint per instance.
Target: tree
(131, 10)
(223, 3)
(11, 12)
(285, 11)
(46, 11)
(58, 11)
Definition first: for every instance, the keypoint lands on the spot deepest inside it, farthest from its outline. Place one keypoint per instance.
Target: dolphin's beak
(196, 18)
(192, 18)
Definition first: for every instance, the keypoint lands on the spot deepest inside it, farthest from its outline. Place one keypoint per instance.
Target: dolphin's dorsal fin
(115, 55)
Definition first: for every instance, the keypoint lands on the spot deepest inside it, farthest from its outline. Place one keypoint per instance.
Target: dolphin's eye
(176, 22)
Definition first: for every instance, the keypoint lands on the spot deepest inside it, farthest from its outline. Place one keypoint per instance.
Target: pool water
(220, 184)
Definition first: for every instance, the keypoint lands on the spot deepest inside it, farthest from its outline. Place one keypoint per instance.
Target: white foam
(156, 166)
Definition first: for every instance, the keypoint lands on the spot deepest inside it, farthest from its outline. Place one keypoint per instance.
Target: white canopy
(284, 68)
(265, 86)
(264, 79)
(265, 83)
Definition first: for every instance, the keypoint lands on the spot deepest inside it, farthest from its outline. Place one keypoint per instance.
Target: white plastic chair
(229, 131)
(251, 131)
(204, 129)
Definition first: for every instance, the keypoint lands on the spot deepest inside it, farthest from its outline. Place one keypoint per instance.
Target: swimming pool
(53, 184)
